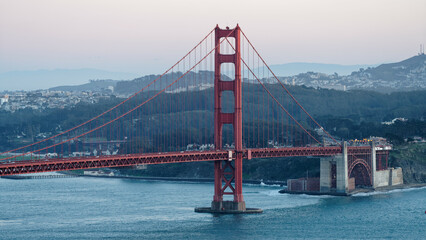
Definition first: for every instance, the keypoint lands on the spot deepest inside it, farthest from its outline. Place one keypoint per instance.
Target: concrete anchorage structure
(340, 174)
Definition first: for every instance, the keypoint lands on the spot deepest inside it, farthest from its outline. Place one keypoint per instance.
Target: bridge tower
(228, 175)
(225, 171)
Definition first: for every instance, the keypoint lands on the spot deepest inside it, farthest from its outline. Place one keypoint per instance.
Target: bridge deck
(50, 165)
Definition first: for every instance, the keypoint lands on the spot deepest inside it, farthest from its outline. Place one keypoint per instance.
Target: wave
(261, 184)
(41, 174)
(269, 185)
(271, 193)
(9, 222)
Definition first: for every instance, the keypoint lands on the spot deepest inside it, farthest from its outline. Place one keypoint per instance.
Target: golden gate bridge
(220, 102)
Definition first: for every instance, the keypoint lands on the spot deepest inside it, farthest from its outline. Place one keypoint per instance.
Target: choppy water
(100, 208)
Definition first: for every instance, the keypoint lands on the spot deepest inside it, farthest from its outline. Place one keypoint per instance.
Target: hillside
(407, 75)
(198, 81)
(347, 115)
(411, 157)
(412, 68)
(292, 69)
(330, 107)
(44, 79)
(93, 85)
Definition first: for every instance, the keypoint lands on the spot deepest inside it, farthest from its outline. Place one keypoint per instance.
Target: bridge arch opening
(361, 172)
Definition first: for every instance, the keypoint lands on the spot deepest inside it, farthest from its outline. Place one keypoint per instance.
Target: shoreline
(211, 180)
(360, 190)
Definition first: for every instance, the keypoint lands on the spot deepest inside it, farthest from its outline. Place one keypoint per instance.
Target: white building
(4, 99)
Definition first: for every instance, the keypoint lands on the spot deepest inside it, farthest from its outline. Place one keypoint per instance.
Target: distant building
(394, 120)
(4, 99)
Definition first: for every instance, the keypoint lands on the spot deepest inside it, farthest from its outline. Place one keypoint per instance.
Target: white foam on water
(317, 196)
(303, 196)
(271, 193)
(387, 192)
(41, 174)
(9, 222)
(261, 184)
(276, 200)
(271, 185)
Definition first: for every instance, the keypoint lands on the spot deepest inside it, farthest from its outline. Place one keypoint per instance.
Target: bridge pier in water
(225, 174)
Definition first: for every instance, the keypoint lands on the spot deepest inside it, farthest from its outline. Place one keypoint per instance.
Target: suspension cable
(116, 106)
(270, 94)
(289, 91)
(133, 109)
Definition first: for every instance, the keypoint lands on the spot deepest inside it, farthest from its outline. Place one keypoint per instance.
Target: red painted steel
(383, 154)
(116, 106)
(234, 118)
(294, 152)
(359, 150)
(49, 165)
(361, 155)
(367, 168)
(379, 163)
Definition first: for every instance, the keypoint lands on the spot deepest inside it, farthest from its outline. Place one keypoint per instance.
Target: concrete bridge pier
(384, 177)
(334, 172)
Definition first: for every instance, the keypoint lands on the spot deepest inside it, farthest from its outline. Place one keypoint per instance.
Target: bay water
(108, 208)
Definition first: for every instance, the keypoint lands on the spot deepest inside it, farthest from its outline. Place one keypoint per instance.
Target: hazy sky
(148, 36)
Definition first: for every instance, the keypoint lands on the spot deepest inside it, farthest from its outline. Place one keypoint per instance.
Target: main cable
(133, 109)
(116, 106)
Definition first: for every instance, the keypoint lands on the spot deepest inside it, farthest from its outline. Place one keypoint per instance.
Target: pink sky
(148, 36)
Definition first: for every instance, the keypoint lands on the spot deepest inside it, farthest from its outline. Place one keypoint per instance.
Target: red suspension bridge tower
(228, 174)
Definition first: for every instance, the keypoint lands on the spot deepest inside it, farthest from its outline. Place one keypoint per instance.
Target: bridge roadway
(51, 165)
